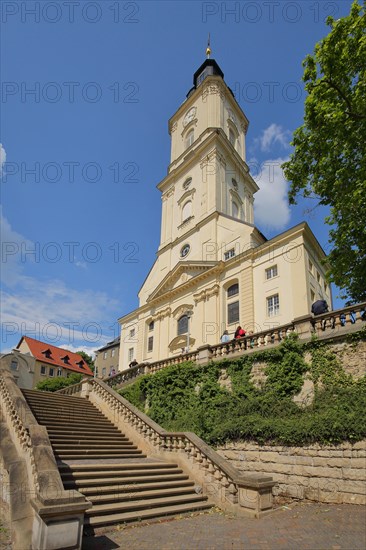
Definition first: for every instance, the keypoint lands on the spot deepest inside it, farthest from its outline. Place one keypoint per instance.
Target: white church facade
(214, 269)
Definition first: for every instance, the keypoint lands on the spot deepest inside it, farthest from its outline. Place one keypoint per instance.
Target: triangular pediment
(183, 274)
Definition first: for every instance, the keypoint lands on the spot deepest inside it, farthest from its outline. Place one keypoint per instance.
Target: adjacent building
(214, 269)
(107, 358)
(32, 361)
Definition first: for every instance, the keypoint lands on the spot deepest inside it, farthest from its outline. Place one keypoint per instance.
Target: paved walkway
(295, 527)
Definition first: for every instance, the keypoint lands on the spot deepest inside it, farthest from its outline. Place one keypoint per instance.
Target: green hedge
(55, 384)
(187, 397)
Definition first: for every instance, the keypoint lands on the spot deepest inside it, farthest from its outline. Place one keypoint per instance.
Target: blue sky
(87, 90)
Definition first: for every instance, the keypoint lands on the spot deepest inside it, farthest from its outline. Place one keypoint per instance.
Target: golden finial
(208, 49)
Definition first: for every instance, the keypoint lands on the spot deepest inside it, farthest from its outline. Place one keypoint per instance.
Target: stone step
(79, 440)
(120, 472)
(68, 413)
(82, 484)
(92, 455)
(108, 490)
(71, 451)
(53, 397)
(168, 510)
(132, 495)
(95, 447)
(115, 507)
(70, 468)
(88, 437)
(60, 430)
(78, 424)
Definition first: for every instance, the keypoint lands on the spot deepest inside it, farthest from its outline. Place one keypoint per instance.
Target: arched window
(187, 210)
(232, 137)
(235, 210)
(189, 138)
(183, 325)
(232, 305)
(233, 290)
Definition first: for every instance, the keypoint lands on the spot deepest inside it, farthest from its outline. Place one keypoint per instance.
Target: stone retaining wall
(331, 474)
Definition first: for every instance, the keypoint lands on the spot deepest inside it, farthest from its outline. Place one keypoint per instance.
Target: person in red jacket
(239, 333)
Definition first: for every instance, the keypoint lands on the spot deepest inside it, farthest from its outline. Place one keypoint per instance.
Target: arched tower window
(187, 211)
(232, 137)
(189, 138)
(183, 325)
(235, 210)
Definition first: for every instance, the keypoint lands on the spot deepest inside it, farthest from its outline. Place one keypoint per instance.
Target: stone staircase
(100, 462)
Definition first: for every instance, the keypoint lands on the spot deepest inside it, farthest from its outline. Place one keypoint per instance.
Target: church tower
(214, 270)
(208, 194)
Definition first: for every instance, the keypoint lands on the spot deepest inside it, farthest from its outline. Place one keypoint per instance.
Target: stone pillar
(255, 493)
(302, 326)
(204, 355)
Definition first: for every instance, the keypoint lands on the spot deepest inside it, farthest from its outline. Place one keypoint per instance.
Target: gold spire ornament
(208, 49)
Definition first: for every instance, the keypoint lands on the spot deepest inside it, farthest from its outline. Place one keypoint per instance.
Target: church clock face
(189, 116)
(185, 250)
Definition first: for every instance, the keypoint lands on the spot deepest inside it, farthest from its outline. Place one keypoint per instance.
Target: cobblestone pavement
(297, 527)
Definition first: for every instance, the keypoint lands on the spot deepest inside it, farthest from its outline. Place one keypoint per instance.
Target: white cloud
(274, 134)
(2, 158)
(48, 309)
(271, 207)
(12, 244)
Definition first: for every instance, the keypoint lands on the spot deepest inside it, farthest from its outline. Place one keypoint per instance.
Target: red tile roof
(55, 356)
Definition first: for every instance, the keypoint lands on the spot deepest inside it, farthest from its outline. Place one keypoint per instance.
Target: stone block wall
(330, 474)
(352, 357)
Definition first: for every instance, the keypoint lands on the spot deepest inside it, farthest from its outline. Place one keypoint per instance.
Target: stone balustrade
(215, 477)
(38, 502)
(330, 325)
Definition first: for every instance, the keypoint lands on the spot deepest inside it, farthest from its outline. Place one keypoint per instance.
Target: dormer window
(47, 353)
(66, 359)
(80, 364)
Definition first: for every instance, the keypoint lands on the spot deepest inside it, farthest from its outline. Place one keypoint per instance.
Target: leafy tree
(54, 384)
(88, 359)
(329, 157)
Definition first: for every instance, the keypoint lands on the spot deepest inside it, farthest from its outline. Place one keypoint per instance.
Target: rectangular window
(59, 372)
(273, 305)
(130, 354)
(43, 370)
(132, 332)
(150, 343)
(113, 352)
(105, 355)
(310, 266)
(151, 325)
(318, 276)
(104, 372)
(51, 372)
(312, 296)
(233, 313)
(14, 365)
(229, 254)
(271, 272)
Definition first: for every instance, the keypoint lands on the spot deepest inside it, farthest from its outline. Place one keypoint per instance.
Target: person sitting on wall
(112, 372)
(225, 338)
(133, 363)
(318, 308)
(239, 333)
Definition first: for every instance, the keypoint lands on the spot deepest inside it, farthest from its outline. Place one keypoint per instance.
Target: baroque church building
(214, 269)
